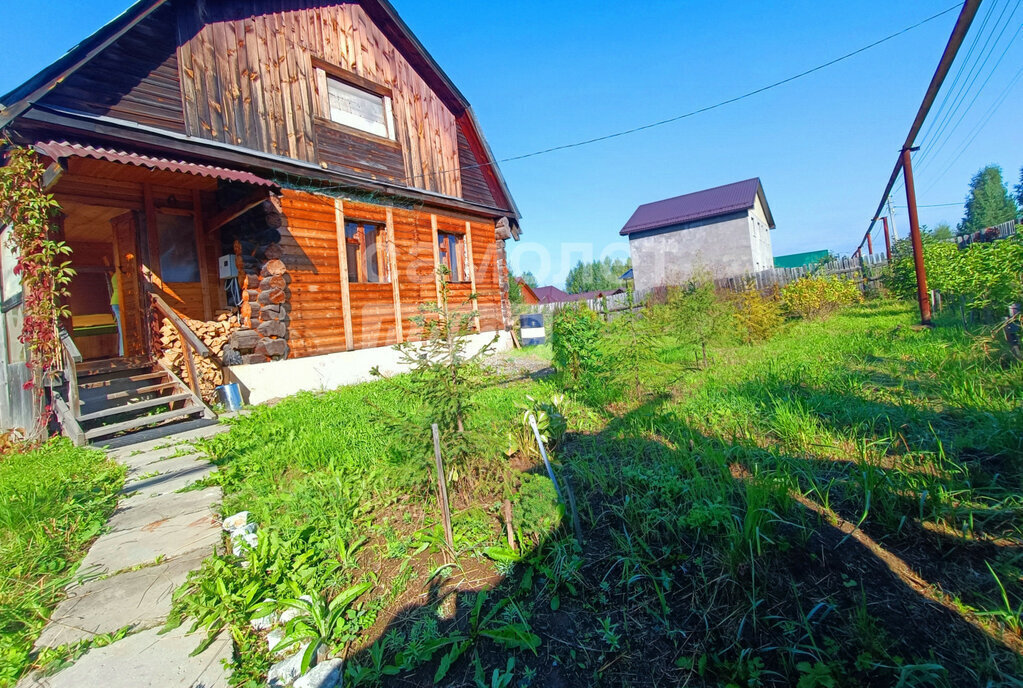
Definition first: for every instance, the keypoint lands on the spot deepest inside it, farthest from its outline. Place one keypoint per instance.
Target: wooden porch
(145, 244)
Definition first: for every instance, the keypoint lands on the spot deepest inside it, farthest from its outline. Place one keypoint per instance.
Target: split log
(273, 267)
(273, 282)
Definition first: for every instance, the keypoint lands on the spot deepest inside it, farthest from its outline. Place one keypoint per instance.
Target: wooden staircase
(113, 400)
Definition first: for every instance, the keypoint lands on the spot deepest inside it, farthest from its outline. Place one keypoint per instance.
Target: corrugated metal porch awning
(63, 149)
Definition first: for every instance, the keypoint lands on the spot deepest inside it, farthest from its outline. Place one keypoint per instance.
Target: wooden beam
(436, 255)
(472, 273)
(152, 261)
(234, 211)
(392, 260)
(342, 257)
(200, 250)
(52, 175)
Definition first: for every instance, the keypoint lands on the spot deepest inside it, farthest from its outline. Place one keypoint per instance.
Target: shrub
(575, 342)
(985, 274)
(757, 316)
(817, 296)
(695, 315)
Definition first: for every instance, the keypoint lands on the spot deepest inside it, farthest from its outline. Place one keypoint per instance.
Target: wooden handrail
(189, 342)
(72, 357)
(187, 336)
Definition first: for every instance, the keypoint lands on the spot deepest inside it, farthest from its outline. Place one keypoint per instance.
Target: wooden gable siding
(311, 254)
(359, 154)
(135, 79)
(474, 183)
(248, 79)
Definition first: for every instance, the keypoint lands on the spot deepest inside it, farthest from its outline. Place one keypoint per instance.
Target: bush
(757, 316)
(814, 296)
(586, 355)
(575, 342)
(695, 315)
(985, 274)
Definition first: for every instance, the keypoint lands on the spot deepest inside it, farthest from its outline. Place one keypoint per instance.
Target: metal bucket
(533, 332)
(230, 396)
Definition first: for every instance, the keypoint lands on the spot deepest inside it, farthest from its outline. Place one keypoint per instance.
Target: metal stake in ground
(550, 472)
(442, 490)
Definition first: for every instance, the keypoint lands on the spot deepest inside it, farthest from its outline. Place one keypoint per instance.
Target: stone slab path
(154, 538)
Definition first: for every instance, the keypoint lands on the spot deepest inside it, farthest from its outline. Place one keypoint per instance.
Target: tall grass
(53, 501)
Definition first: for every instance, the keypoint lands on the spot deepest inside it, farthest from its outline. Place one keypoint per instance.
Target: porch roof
(58, 150)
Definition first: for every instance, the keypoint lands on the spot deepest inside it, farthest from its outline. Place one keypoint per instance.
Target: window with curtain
(366, 251)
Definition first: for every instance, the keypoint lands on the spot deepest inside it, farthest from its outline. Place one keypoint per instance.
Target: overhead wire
(692, 113)
(968, 70)
(936, 148)
(978, 128)
(951, 94)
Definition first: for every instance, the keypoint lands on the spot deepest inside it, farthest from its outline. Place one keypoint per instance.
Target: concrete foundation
(261, 382)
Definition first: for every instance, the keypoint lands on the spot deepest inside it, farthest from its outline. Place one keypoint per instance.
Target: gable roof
(699, 205)
(551, 295)
(524, 286)
(21, 99)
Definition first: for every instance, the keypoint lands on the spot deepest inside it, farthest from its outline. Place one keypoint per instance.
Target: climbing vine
(28, 212)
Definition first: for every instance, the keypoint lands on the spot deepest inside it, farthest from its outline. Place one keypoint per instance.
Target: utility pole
(887, 240)
(870, 245)
(922, 295)
(891, 214)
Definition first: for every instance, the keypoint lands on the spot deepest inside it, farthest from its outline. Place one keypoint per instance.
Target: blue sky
(544, 74)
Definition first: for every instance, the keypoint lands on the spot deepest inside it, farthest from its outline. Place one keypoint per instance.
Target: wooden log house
(314, 148)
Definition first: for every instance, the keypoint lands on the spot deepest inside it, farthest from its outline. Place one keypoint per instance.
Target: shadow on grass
(672, 586)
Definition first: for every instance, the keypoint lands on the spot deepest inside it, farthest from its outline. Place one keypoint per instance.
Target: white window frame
(327, 80)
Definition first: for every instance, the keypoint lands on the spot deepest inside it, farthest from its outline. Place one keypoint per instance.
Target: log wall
(248, 79)
(310, 243)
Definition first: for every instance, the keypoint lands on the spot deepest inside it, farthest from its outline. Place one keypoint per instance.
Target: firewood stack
(214, 334)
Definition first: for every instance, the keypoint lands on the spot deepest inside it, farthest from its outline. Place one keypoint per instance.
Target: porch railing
(191, 345)
(72, 357)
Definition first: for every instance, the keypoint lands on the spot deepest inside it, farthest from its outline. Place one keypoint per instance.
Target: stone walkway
(154, 538)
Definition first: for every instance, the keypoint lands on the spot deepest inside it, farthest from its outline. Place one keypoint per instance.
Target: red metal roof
(65, 149)
(700, 205)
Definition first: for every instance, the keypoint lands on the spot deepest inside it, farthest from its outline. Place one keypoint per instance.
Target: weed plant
(54, 500)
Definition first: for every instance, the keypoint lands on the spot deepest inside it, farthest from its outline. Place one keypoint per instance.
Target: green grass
(702, 563)
(54, 501)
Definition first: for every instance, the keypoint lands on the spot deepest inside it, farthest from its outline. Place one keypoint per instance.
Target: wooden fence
(1002, 231)
(865, 270)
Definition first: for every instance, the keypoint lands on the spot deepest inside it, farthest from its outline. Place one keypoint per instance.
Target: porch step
(121, 397)
(143, 422)
(135, 406)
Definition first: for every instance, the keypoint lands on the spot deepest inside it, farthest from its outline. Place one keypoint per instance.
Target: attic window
(360, 109)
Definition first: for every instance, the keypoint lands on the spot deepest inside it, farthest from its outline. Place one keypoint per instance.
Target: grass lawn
(841, 505)
(54, 501)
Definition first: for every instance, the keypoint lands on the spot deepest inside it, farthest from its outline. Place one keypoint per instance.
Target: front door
(130, 294)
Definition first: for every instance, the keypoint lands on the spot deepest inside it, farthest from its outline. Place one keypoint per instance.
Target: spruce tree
(988, 203)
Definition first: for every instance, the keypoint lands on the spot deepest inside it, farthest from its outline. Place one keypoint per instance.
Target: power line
(951, 94)
(932, 205)
(670, 120)
(948, 56)
(934, 150)
(979, 127)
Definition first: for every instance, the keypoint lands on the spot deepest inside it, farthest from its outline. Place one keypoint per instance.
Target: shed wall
(674, 255)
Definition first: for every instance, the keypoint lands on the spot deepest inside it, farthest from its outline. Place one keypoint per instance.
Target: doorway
(106, 311)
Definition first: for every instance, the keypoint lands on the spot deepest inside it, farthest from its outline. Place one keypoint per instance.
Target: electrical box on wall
(228, 266)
